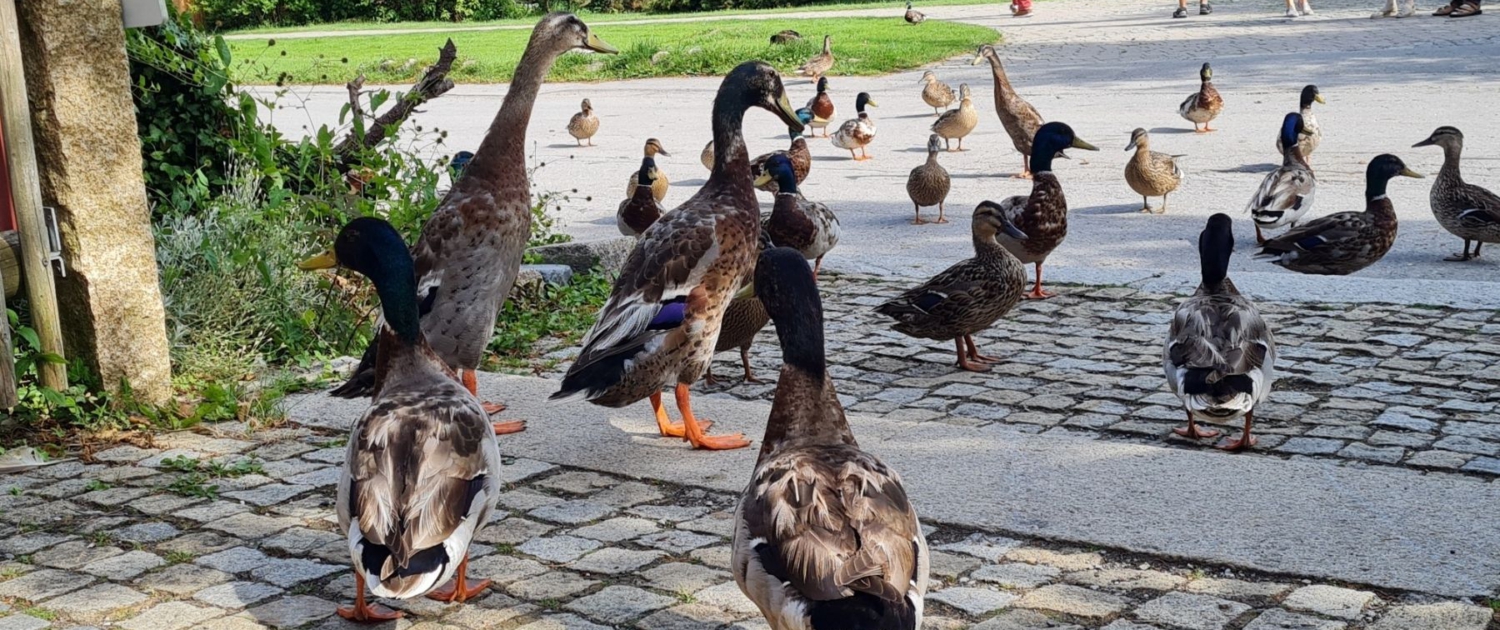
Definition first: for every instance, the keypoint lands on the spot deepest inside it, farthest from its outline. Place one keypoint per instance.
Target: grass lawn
(863, 46)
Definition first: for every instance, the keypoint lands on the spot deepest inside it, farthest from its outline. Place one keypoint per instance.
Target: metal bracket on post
(54, 240)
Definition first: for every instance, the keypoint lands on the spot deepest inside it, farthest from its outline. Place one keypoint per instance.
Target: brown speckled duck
(928, 184)
(1149, 173)
(1468, 211)
(660, 184)
(641, 209)
(797, 222)
(1203, 106)
(1020, 119)
(935, 93)
(957, 123)
(820, 106)
(743, 320)
(1343, 243)
(584, 124)
(1043, 214)
(820, 63)
(798, 153)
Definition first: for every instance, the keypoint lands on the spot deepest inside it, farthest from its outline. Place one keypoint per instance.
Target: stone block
(608, 255)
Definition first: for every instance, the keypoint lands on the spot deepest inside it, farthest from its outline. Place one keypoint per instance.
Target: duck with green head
(641, 209)
(1345, 242)
(1286, 194)
(806, 226)
(857, 133)
(1203, 106)
(821, 108)
(1043, 214)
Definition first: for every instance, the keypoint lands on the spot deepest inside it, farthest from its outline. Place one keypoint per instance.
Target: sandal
(1468, 8)
(1443, 11)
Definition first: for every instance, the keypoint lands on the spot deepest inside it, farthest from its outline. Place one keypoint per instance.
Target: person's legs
(1291, 8)
(1021, 8)
(1181, 11)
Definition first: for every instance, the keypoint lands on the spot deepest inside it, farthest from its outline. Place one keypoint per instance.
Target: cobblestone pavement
(125, 541)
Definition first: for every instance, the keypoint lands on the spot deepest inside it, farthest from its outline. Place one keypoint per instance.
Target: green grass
(863, 46)
(535, 312)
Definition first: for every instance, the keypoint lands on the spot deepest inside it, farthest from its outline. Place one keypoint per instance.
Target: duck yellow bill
(1319, 98)
(325, 260)
(1411, 173)
(598, 45)
(1078, 143)
(788, 114)
(765, 178)
(977, 59)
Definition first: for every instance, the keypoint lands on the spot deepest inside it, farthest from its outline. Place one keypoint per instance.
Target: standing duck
(1345, 242)
(857, 133)
(1468, 211)
(821, 108)
(806, 226)
(935, 93)
(743, 320)
(1286, 194)
(422, 470)
(584, 124)
(914, 16)
(659, 185)
(1151, 174)
(1203, 106)
(824, 535)
(1312, 134)
(1220, 355)
(663, 317)
(798, 153)
(820, 63)
(1043, 214)
(641, 209)
(928, 184)
(470, 250)
(967, 297)
(959, 122)
(1020, 119)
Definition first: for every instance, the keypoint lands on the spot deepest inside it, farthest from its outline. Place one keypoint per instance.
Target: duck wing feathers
(1284, 196)
(1219, 354)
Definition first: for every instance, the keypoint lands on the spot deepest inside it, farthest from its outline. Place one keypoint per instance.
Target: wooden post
(26, 190)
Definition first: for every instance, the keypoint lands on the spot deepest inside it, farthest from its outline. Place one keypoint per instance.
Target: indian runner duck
(914, 16)
(1203, 106)
(660, 184)
(798, 153)
(857, 133)
(820, 63)
(584, 124)
(1020, 120)
(1343, 243)
(1312, 133)
(821, 108)
(663, 316)
(1468, 211)
(824, 535)
(957, 123)
(928, 184)
(806, 226)
(1149, 173)
(1043, 214)
(1286, 194)
(642, 208)
(422, 469)
(935, 93)
(1220, 356)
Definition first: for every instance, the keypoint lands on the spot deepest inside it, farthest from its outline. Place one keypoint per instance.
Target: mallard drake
(641, 209)
(1286, 194)
(824, 535)
(1220, 355)
(470, 249)
(1345, 242)
(707, 156)
(935, 93)
(857, 133)
(660, 185)
(821, 108)
(1312, 134)
(743, 320)
(422, 470)
(969, 296)
(1020, 119)
(820, 63)
(914, 16)
(798, 153)
(584, 124)
(1203, 106)
(1151, 174)
(1043, 214)
(960, 122)
(661, 321)
(806, 226)
(928, 184)
(458, 162)
(1468, 211)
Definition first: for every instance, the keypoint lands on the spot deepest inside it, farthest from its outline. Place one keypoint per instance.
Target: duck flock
(825, 536)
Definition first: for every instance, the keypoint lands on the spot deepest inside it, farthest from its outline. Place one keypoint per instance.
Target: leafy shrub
(230, 14)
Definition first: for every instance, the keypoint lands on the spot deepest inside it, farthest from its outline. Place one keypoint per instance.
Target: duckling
(913, 16)
(935, 93)
(806, 226)
(928, 184)
(1020, 120)
(584, 124)
(857, 133)
(824, 534)
(642, 208)
(959, 122)
(1343, 243)
(1043, 214)
(1286, 194)
(1312, 134)
(821, 108)
(1203, 106)
(1468, 211)
(1149, 173)
(820, 63)
(1220, 356)
(660, 185)
(707, 156)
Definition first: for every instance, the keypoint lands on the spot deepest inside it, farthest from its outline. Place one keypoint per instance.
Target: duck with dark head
(1345, 242)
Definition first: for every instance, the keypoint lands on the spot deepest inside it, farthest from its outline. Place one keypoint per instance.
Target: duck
(806, 226)
(1020, 120)
(421, 472)
(1286, 194)
(1043, 214)
(660, 184)
(584, 124)
(968, 297)
(1220, 355)
(857, 133)
(798, 153)
(744, 319)
(469, 251)
(1149, 173)
(935, 93)
(824, 533)
(960, 122)
(786, 36)
(1467, 211)
(1203, 106)
(820, 63)
(1342, 243)
(821, 108)
(1312, 134)
(457, 163)
(642, 208)
(928, 184)
(914, 16)
(707, 156)
(663, 316)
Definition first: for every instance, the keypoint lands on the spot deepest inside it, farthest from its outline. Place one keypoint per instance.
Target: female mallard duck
(824, 535)
(1343, 243)
(663, 316)
(642, 209)
(1468, 211)
(959, 122)
(470, 250)
(857, 133)
(1286, 194)
(1203, 106)
(798, 153)
(1020, 119)
(928, 184)
(914, 16)
(935, 93)
(806, 226)
(743, 320)
(660, 185)
(422, 470)
(1151, 174)
(1220, 354)
(584, 124)
(821, 108)
(967, 297)
(707, 156)
(1043, 214)
(820, 63)
(1312, 134)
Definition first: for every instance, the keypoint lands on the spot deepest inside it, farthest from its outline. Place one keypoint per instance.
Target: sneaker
(1306, 8)
(1291, 13)
(1181, 12)
(1205, 9)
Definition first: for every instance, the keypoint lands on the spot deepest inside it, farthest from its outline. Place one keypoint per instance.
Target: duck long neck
(1002, 82)
(501, 157)
(731, 160)
(400, 338)
(806, 409)
(932, 157)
